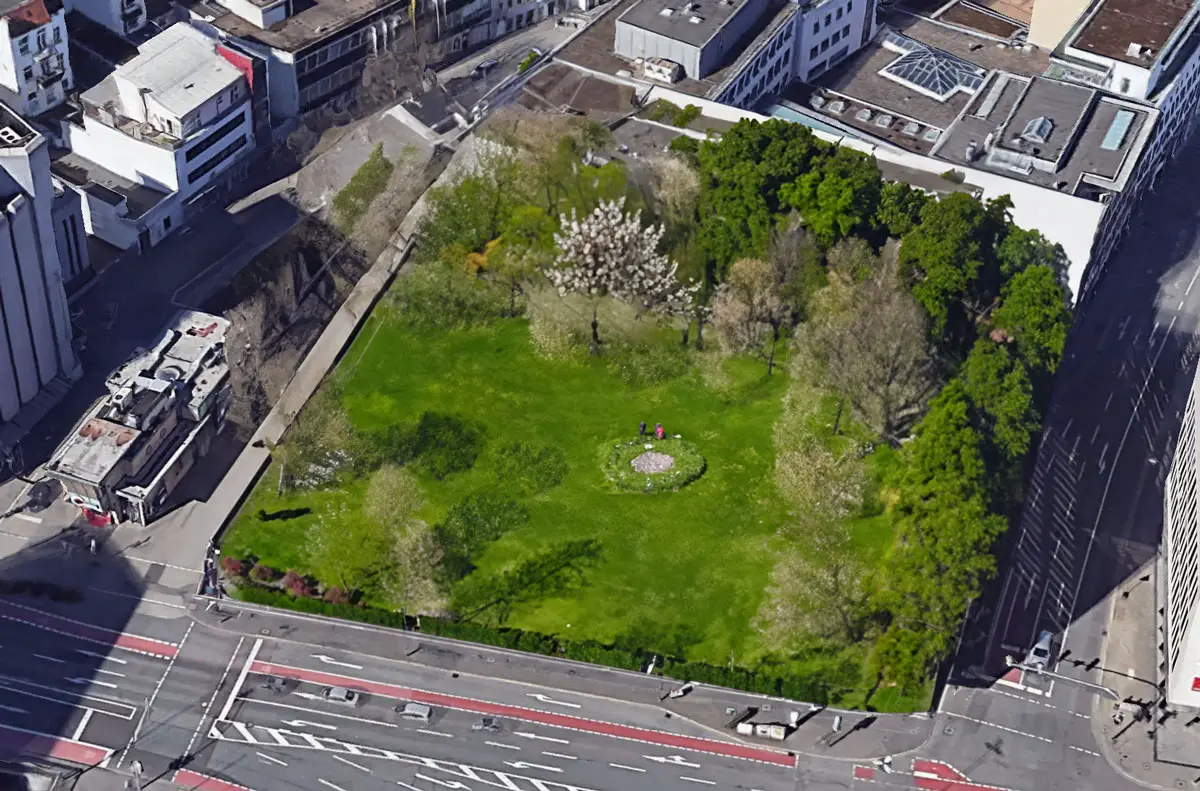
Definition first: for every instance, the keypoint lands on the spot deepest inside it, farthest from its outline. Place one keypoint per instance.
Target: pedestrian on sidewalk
(92, 545)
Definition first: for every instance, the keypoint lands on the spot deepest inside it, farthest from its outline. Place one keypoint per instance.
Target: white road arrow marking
(442, 783)
(524, 765)
(547, 699)
(503, 746)
(527, 735)
(331, 661)
(306, 724)
(86, 681)
(678, 760)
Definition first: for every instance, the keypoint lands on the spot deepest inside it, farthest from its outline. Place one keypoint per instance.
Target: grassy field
(686, 568)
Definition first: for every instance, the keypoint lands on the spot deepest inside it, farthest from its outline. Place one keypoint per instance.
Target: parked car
(418, 712)
(488, 725)
(483, 68)
(341, 696)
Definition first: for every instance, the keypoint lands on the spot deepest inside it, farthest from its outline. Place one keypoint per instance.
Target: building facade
(163, 409)
(1181, 563)
(37, 358)
(123, 17)
(35, 67)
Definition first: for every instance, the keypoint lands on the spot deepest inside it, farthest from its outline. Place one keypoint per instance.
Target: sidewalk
(1154, 752)
(709, 707)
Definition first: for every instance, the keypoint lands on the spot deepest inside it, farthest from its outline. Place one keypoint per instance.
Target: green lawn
(688, 568)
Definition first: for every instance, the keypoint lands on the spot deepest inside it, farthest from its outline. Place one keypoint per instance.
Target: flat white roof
(180, 68)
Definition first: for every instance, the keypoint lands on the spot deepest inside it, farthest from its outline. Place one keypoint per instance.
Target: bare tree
(747, 312)
(676, 186)
(816, 589)
(868, 342)
(822, 486)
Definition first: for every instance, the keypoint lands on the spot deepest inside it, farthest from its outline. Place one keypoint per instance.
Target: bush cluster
(689, 465)
(438, 444)
(532, 469)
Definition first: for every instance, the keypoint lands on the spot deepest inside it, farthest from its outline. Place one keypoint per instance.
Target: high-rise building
(1181, 562)
(37, 359)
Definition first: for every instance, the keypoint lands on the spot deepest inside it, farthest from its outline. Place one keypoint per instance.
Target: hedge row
(589, 651)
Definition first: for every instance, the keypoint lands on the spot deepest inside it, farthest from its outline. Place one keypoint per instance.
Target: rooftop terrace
(1131, 31)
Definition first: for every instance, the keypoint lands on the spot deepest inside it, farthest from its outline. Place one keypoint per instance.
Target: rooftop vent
(1136, 51)
(1037, 130)
(912, 128)
(817, 102)
(667, 12)
(931, 135)
(837, 107)
(695, 20)
(863, 115)
(884, 121)
(9, 135)
(692, 7)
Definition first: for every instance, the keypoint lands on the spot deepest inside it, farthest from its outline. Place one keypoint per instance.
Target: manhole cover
(1145, 765)
(948, 730)
(264, 631)
(1180, 784)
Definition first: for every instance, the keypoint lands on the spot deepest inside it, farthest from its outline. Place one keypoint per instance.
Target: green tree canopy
(999, 387)
(900, 208)
(1034, 313)
(838, 197)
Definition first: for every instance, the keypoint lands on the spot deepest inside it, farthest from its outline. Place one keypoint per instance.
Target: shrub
(335, 595)
(445, 444)
(529, 60)
(234, 567)
(261, 573)
(689, 465)
(686, 146)
(438, 296)
(290, 579)
(956, 176)
(662, 110)
(352, 202)
(472, 523)
(687, 115)
(650, 364)
(532, 469)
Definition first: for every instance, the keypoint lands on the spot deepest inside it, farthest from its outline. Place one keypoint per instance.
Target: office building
(1180, 585)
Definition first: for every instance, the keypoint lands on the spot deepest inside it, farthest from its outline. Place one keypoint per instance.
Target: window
(846, 32)
(825, 45)
(41, 38)
(214, 137)
(222, 155)
(816, 25)
(57, 35)
(828, 20)
(836, 37)
(166, 223)
(23, 45)
(839, 14)
(27, 73)
(812, 53)
(31, 96)
(1124, 85)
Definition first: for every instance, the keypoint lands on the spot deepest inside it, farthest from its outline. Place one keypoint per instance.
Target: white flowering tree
(610, 254)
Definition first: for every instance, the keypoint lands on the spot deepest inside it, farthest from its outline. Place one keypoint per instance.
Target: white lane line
(560, 755)
(348, 762)
(241, 679)
(1081, 750)
(503, 746)
(37, 520)
(83, 723)
(442, 783)
(527, 735)
(627, 768)
(137, 731)
(1001, 727)
(525, 765)
(54, 659)
(213, 698)
(105, 657)
(145, 599)
(108, 708)
(13, 709)
(253, 701)
(328, 784)
(403, 784)
(85, 681)
(698, 780)
(435, 733)
(270, 758)
(110, 672)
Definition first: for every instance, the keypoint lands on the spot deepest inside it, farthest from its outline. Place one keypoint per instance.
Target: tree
(610, 254)
(526, 247)
(837, 198)
(393, 495)
(817, 589)
(353, 554)
(853, 258)
(1034, 314)
(747, 312)
(949, 259)
(799, 267)
(740, 179)
(416, 557)
(867, 342)
(475, 210)
(1022, 249)
(999, 388)
(822, 487)
(900, 208)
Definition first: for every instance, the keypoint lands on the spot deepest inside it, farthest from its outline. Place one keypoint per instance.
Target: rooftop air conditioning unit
(695, 20)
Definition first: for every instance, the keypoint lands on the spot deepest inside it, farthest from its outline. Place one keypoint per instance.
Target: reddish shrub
(290, 579)
(263, 573)
(335, 595)
(234, 567)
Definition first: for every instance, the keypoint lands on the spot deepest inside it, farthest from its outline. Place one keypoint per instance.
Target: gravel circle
(652, 461)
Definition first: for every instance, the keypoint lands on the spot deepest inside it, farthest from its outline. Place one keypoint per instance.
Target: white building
(163, 408)
(170, 123)
(37, 359)
(35, 70)
(1181, 563)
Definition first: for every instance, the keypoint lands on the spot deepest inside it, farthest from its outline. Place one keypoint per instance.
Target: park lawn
(687, 568)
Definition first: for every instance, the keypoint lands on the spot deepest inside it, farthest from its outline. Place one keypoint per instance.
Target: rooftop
(310, 22)
(25, 15)
(180, 68)
(913, 80)
(181, 371)
(103, 184)
(1050, 133)
(557, 86)
(14, 131)
(1131, 31)
(693, 22)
